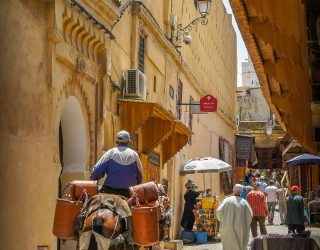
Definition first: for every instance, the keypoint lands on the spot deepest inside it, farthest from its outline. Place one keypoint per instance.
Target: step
(174, 245)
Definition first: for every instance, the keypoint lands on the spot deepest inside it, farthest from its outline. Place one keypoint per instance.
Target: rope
(115, 227)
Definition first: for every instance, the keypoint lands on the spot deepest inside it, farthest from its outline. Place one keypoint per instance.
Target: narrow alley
(271, 229)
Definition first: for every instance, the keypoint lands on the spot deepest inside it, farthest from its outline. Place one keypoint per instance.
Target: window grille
(141, 53)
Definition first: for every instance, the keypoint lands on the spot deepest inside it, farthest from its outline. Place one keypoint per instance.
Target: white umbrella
(205, 165)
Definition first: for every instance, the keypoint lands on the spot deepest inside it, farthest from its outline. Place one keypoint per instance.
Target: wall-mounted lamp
(269, 127)
(203, 7)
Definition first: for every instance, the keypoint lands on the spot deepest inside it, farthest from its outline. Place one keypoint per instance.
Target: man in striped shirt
(257, 201)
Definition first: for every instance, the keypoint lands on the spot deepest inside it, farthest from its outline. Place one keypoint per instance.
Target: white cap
(238, 187)
(123, 137)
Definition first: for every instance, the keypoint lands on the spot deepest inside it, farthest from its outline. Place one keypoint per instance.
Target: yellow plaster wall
(32, 103)
(29, 178)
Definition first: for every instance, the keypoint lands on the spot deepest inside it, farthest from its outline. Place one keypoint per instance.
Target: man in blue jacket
(122, 166)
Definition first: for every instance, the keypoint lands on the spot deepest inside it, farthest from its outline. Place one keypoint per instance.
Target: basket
(207, 202)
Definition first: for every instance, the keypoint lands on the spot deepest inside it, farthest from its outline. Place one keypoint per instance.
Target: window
(154, 84)
(141, 51)
(190, 120)
(171, 92)
(179, 99)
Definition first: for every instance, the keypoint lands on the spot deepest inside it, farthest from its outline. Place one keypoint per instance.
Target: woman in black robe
(190, 198)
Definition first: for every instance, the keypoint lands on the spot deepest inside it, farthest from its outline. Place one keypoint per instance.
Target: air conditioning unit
(135, 84)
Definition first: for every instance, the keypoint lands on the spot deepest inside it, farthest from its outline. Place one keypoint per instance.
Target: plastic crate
(202, 237)
(187, 237)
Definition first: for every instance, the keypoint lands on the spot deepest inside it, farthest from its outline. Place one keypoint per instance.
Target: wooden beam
(155, 130)
(132, 117)
(293, 22)
(274, 86)
(295, 116)
(173, 145)
(290, 75)
(315, 114)
(285, 44)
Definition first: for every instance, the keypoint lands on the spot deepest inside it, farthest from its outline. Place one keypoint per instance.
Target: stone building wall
(249, 76)
(28, 169)
(251, 105)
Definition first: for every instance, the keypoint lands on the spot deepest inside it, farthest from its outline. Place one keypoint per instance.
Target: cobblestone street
(274, 229)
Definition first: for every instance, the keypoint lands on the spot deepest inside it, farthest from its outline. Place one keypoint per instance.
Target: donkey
(105, 221)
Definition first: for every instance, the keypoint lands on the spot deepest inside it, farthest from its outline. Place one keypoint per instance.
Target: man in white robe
(235, 215)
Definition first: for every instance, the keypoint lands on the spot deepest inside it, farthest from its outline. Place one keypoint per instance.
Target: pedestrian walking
(248, 189)
(244, 190)
(235, 215)
(295, 212)
(250, 174)
(271, 195)
(282, 210)
(257, 201)
(274, 175)
(254, 178)
(263, 184)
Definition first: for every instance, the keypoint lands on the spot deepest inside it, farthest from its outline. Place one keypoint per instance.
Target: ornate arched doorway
(72, 148)
(72, 137)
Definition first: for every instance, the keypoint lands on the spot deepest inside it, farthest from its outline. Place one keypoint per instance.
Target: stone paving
(275, 229)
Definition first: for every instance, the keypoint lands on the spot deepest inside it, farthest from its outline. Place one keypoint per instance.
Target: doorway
(72, 150)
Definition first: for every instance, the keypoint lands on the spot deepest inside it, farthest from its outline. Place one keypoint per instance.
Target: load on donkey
(106, 221)
(124, 213)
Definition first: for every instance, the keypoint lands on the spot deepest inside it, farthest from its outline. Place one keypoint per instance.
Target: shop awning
(178, 138)
(158, 126)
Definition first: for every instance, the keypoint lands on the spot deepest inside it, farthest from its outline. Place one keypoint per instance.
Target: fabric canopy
(205, 165)
(303, 160)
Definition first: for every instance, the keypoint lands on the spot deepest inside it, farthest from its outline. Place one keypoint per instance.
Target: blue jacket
(122, 166)
(295, 213)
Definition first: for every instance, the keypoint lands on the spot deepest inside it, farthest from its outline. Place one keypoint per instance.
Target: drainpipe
(96, 121)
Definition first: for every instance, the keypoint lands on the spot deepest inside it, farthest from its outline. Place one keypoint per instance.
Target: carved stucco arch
(73, 87)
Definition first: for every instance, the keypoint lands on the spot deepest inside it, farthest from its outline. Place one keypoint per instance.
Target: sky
(242, 53)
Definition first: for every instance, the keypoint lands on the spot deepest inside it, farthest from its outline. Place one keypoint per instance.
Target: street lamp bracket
(193, 24)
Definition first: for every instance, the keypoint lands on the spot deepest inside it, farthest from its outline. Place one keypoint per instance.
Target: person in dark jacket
(190, 198)
(295, 211)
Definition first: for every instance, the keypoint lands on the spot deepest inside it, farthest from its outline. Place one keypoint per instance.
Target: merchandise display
(205, 216)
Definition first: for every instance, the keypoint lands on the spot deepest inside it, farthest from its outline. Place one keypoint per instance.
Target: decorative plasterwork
(69, 56)
(82, 33)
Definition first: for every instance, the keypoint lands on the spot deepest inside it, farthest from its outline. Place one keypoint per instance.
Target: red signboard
(208, 104)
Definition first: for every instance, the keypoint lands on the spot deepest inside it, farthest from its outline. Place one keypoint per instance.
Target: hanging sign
(208, 104)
